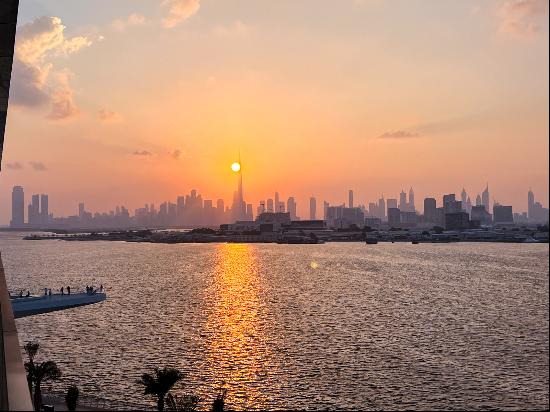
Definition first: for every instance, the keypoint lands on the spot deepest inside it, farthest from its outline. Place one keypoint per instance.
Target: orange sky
(146, 100)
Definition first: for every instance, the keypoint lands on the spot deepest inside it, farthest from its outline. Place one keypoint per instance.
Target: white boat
(34, 305)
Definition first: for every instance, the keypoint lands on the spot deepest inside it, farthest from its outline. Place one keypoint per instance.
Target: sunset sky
(137, 101)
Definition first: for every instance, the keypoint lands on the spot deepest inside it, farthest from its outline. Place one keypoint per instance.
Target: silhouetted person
(21, 294)
(101, 288)
(49, 292)
(45, 291)
(62, 290)
(68, 290)
(28, 293)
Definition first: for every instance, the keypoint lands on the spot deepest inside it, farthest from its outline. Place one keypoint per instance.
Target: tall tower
(350, 198)
(485, 198)
(530, 204)
(277, 204)
(403, 201)
(478, 200)
(382, 207)
(17, 207)
(412, 208)
(312, 208)
(239, 206)
(463, 196)
(44, 209)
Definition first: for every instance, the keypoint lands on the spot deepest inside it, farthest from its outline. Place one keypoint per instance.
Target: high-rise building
(312, 208)
(412, 207)
(17, 207)
(291, 208)
(391, 204)
(350, 198)
(44, 209)
(381, 208)
(502, 214)
(277, 205)
(530, 204)
(430, 210)
(270, 208)
(81, 210)
(394, 217)
(464, 197)
(34, 210)
(485, 198)
(478, 200)
(239, 207)
(402, 200)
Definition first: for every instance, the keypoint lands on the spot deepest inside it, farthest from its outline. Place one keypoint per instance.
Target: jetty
(34, 305)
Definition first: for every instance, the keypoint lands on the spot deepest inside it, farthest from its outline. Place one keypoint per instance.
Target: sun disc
(236, 167)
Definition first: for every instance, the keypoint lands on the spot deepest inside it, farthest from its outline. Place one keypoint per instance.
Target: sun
(236, 167)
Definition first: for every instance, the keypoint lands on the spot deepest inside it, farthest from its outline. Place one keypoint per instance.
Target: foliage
(219, 403)
(71, 398)
(160, 383)
(185, 403)
(43, 372)
(438, 229)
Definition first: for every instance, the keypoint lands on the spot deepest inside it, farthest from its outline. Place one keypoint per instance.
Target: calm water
(337, 326)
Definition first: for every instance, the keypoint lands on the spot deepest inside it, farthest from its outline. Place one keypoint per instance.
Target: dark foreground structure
(14, 390)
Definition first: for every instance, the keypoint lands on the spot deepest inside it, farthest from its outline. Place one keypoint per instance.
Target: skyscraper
(530, 204)
(402, 201)
(412, 207)
(277, 205)
(270, 208)
(312, 208)
(44, 209)
(478, 200)
(381, 208)
(291, 208)
(464, 197)
(430, 210)
(485, 198)
(17, 207)
(239, 207)
(34, 210)
(350, 198)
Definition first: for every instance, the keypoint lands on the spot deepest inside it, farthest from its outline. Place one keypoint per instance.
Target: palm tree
(45, 371)
(160, 384)
(31, 349)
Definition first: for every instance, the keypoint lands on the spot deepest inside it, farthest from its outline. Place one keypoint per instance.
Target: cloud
(143, 153)
(130, 21)
(179, 10)
(38, 166)
(399, 134)
(237, 28)
(522, 18)
(106, 115)
(14, 166)
(63, 106)
(35, 81)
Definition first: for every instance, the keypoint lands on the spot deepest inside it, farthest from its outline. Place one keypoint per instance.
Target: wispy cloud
(36, 81)
(106, 115)
(178, 11)
(522, 18)
(131, 21)
(399, 134)
(142, 153)
(38, 166)
(237, 28)
(14, 166)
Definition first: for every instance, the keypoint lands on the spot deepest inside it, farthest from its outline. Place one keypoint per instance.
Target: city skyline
(354, 96)
(194, 210)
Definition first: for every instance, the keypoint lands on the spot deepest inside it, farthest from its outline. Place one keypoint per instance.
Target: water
(333, 326)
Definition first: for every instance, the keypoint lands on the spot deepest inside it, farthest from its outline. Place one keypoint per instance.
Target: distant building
(503, 214)
(312, 208)
(373, 222)
(457, 221)
(381, 208)
(530, 204)
(350, 199)
(409, 219)
(341, 217)
(291, 208)
(394, 217)
(276, 219)
(480, 214)
(485, 198)
(33, 213)
(430, 207)
(391, 204)
(44, 209)
(17, 207)
(402, 200)
(270, 206)
(412, 207)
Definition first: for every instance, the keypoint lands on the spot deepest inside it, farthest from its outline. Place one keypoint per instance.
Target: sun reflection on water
(237, 353)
